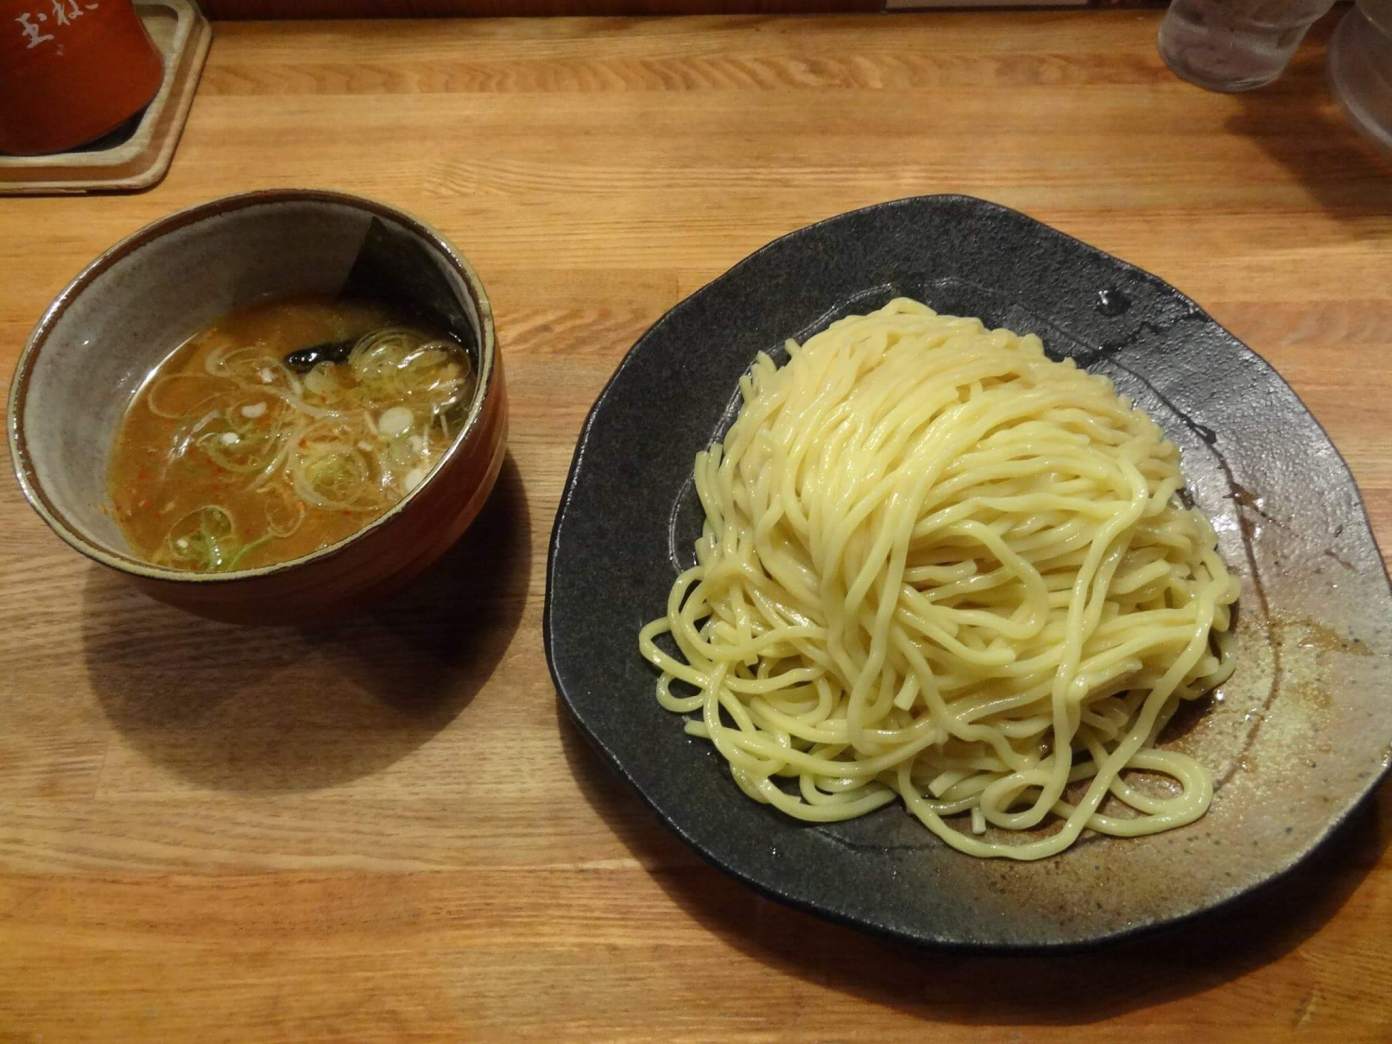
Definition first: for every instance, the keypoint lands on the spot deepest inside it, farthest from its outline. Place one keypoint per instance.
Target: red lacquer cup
(71, 71)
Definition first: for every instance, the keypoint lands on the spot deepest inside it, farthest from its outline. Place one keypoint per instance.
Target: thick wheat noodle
(940, 566)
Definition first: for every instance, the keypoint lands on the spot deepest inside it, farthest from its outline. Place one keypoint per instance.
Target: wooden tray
(139, 157)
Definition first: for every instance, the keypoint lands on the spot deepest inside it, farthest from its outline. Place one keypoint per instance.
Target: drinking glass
(1360, 68)
(1235, 45)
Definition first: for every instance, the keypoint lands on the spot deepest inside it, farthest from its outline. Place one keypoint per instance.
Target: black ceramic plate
(1298, 736)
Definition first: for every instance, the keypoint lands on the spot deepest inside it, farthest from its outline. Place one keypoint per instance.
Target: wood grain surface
(387, 830)
(243, 9)
(253, 9)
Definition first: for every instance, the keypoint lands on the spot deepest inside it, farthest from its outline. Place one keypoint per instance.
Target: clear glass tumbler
(1235, 45)
(1360, 68)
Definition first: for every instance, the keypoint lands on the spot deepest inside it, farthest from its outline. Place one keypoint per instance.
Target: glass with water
(1235, 45)
(1360, 68)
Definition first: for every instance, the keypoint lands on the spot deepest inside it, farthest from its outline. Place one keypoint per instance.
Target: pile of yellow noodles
(937, 564)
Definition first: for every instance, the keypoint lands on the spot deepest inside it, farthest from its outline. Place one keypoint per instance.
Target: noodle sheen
(939, 565)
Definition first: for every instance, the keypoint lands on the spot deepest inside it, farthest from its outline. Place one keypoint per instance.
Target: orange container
(71, 71)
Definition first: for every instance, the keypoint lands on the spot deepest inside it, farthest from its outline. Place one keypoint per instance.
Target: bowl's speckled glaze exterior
(147, 294)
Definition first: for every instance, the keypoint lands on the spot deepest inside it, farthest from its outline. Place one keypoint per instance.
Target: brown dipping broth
(194, 478)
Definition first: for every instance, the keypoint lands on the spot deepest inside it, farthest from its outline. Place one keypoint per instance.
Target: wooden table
(389, 830)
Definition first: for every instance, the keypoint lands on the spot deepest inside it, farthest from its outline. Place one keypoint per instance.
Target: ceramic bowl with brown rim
(127, 310)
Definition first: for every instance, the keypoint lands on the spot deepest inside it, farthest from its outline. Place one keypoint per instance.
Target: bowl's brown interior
(135, 304)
